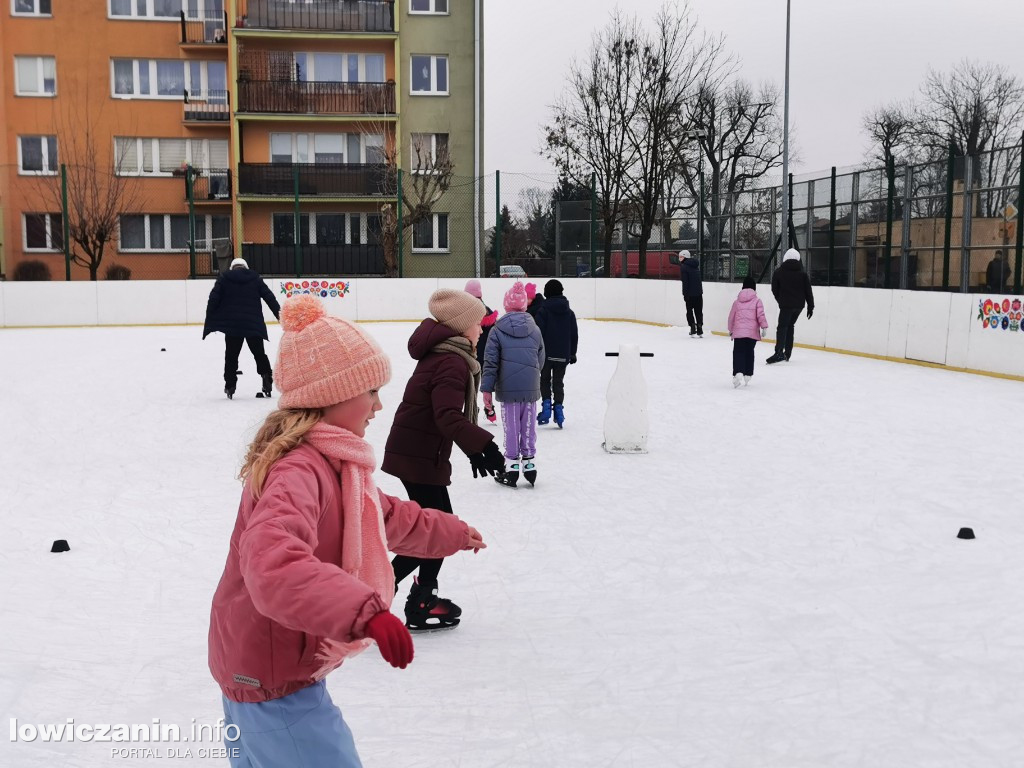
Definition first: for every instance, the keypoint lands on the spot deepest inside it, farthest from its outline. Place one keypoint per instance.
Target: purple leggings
(520, 423)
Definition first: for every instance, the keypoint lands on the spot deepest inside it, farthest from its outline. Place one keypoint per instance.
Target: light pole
(698, 134)
(785, 143)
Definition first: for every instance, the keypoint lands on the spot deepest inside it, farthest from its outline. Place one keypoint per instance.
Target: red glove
(393, 640)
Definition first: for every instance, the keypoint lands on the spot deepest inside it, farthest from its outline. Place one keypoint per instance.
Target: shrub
(118, 272)
(31, 270)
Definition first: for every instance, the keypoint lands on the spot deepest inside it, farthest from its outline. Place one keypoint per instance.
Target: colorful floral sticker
(322, 288)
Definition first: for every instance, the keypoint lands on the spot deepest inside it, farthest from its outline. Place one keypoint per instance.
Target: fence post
(965, 227)
(948, 238)
(890, 192)
(851, 260)
(700, 232)
(558, 240)
(498, 223)
(593, 224)
(908, 186)
(401, 236)
(832, 225)
(1020, 222)
(297, 239)
(190, 196)
(65, 225)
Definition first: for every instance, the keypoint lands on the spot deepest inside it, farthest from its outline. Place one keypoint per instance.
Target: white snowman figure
(625, 422)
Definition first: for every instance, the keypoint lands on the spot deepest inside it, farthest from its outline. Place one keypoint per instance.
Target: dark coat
(689, 273)
(791, 286)
(429, 419)
(557, 325)
(513, 359)
(535, 305)
(485, 330)
(234, 305)
(997, 275)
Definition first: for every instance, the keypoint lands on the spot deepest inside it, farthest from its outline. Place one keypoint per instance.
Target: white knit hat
(239, 263)
(684, 255)
(792, 253)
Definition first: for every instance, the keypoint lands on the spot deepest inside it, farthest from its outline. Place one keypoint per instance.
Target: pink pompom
(299, 312)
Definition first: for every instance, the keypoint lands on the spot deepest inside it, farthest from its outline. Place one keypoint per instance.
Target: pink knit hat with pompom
(324, 360)
(515, 298)
(531, 291)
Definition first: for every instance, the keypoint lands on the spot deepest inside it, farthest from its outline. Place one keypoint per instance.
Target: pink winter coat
(746, 318)
(283, 594)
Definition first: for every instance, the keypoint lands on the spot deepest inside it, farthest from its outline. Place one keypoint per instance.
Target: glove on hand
(572, 360)
(763, 332)
(393, 640)
(809, 313)
(489, 462)
(488, 400)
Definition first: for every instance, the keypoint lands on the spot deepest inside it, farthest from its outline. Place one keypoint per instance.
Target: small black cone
(966, 533)
(238, 373)
(163, 349)
(60, 545)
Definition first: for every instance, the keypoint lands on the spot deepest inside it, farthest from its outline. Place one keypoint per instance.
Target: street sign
(1010, 212)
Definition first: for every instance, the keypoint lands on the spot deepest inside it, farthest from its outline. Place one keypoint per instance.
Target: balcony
(339, 260)
(296, 97)
(207, 30)
(210, 108)
(211, 185)
(315, 180)
(318, 15)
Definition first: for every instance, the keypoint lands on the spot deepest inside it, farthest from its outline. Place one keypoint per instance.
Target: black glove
(809, 313)
(572, 360)
(488, 462)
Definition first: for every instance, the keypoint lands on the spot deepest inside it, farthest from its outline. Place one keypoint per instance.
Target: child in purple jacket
(747, 325)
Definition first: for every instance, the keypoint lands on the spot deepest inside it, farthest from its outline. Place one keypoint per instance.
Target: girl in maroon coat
(438, 410)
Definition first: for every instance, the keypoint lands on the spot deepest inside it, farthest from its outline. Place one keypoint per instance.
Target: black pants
(553, 373)
(784, 335)
(743, 356)
(232, 346)
(433, 497)
(694, 313)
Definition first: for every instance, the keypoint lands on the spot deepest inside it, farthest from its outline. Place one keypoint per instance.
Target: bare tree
(892, 131)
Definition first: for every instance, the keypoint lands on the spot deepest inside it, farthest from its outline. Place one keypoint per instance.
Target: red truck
(663, 265)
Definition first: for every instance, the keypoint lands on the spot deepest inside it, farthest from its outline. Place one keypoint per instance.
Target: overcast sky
(846, 57)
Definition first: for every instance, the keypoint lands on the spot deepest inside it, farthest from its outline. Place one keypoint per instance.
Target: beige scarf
(462, 347)
(364, 552)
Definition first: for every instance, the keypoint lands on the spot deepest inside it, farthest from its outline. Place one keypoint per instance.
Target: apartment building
(287, 112)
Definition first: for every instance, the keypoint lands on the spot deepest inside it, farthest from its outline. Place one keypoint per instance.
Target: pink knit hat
(531, 291)
(456, 309)
(473, 288)
(323, 360)
(515, 299)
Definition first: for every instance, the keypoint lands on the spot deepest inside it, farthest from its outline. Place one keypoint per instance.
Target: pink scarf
(364, 552)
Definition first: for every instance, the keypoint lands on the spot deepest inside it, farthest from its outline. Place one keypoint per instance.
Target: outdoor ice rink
(778, 582)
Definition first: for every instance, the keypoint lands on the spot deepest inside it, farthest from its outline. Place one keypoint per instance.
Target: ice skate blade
(429, 628)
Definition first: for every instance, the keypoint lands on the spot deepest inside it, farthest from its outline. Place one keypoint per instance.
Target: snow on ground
(777, 583)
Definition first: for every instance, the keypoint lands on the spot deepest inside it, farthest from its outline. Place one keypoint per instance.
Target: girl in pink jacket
(308, 581)
(747, 325)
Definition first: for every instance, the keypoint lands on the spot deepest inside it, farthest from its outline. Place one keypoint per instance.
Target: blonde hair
(281, 432)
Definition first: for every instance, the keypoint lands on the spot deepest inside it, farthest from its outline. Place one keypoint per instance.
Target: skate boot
(700, 332)
(425, 611)
(559, 415)
(510, 476)
(530, 470)
(746, 380)
(229, 391)
(490, 414)
(268, 385)
(545, 412)
(737, 379)
(778, 357)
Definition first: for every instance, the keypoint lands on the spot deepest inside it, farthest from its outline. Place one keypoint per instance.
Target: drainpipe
(476, 137)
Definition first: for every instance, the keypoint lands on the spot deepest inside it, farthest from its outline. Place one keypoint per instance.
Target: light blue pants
(301, 730)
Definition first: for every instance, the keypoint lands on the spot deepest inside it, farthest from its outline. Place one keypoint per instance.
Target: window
(428, 6)
(210, 228)
(169, 78)
(145, 9)
(30, 8)
(159, 157)
(35, 75)
(324, 228)
(430, 74)
(424, 150)
(326, 148)
(340, 67)
(431, 233)
(43, 232)
(154, 232)
(37, 154)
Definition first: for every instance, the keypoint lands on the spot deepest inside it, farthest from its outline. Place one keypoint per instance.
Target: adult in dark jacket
(792, 289)
(997, 275)
(534, 300)
(234, 309)
(693, 293)
(438, 410)
(557, 323)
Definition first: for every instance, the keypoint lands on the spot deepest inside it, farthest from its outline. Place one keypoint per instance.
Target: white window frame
(134, 16)
(40, 77)
(140, 142)
(35, 14)
(49, 232)
(206, 244)
(148, 225)
(435, 220)
(311, 234)
(51, 166)
(195, 94)
(433, 9)
(434, 58)
(309, 76)
(310, 139)
(432, 159)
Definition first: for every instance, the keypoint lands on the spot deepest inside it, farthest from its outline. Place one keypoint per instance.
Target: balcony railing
(211, 29)
(210, 185)
(320, 179)
(339, 260)
(295, 97)
(209, 107)
(318, 15)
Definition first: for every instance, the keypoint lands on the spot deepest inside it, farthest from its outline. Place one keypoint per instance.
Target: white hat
(684, 255)
(239, 263)
(792, 253)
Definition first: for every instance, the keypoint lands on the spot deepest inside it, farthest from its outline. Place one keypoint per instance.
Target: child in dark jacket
(512, 364)
(557, 323)
(534, 300)
(473, 289)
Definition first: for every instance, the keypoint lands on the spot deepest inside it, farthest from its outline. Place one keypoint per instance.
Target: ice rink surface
(778, 582)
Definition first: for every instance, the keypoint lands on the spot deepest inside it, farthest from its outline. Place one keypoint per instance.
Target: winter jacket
(283, 593)
(689, 273)
(234, 305)
(513, 359)
(997, 274)
(429, 419)
(746, 318)
(791, 286)
(535, 305)
(557, 325)
(485, 325)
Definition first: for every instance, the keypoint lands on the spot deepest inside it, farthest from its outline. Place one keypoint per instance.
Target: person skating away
(534, 300)
(512, 364)
(307, 582)
(438, 410)
(473, 289)
(997, 274)
(557, 323)
(747, 324)
(234, 309)
(693, 293)
(792, 290)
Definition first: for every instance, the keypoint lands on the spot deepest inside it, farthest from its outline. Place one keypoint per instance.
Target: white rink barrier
(980, 332)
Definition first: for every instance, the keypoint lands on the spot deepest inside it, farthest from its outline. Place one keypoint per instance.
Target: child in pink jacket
(747, 325)
(308, 580)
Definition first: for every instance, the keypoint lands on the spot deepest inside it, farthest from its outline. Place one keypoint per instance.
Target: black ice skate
(229, 391)
(426, 612)
(268, 386)
(530, 470)
(510, 476)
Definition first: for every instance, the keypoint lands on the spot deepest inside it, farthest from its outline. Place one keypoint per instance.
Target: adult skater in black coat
(792, 289)
(693, 293)
(557, 323)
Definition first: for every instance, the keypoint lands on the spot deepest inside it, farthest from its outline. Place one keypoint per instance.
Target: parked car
(660, 264)
(511, 270)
